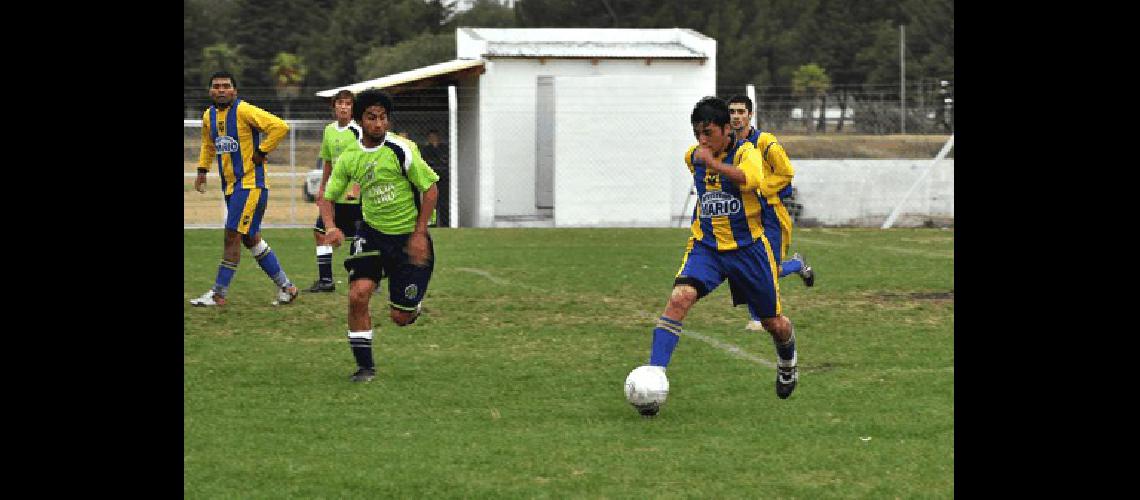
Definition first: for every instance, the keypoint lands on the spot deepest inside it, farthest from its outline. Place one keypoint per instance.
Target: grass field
(510, 385)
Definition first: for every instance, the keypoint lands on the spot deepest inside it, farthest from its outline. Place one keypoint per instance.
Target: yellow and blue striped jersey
(778, 171)
(231, 135)
(727, 216)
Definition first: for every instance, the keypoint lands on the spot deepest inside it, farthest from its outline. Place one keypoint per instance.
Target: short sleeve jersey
(391, 177)
(334, 142)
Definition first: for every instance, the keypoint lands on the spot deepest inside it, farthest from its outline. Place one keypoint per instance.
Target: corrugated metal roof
(433, 70)
(672, 50)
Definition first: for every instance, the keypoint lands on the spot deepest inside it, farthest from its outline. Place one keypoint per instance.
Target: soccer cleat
(649, 410)
(363, 375)
(805, 271)
(786, 378)
(321, 286)
(286, 294)
(208, 299)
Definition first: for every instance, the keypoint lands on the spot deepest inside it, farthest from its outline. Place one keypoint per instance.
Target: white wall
(620, 172)
(507, 106)
(863, 192)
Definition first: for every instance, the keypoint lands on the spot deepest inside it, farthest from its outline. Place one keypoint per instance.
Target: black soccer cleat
(648, 410)
(786, 378)
(805, 271)
(321, 286)
(808, 275)
(363, 375)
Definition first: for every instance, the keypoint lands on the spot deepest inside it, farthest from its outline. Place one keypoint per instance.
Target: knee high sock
(786, 352)
(226, 271)
(324, 263)
(361, 344)
(267, 260)
(665, 337)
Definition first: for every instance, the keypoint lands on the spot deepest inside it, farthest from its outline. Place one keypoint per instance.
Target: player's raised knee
(401, 318)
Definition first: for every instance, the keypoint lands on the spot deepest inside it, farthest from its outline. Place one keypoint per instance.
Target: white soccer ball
(646, 388)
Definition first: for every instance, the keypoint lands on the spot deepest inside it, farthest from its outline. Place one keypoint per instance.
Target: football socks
(361, 343)
(226, 272)
(268, 262)
(665, 337)
(790, 267)
(324, 263)
(786, 351)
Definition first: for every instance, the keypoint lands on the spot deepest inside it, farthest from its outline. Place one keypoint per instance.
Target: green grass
(510, 385)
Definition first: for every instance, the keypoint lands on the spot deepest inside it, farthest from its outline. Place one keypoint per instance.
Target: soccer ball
(646, 388)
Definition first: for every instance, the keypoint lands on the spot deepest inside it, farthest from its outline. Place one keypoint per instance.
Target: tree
(288, 71)
(422, 50)
(204, 22)
(266, 27)
(811, 81)
(224, 57)
(484, 14)
(356, 27)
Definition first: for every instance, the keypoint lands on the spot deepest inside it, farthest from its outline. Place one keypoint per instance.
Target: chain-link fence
(525, 159)
(294, 167)
(848, 109)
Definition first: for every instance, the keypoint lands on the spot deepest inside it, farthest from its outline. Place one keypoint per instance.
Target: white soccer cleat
(286, 295)
(208, 299)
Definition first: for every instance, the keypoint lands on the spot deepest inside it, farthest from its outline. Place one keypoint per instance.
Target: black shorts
(346, 215)
(375, 255)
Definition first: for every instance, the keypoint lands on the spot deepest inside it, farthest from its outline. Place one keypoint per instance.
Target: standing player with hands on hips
(398, 194)
(232, 137)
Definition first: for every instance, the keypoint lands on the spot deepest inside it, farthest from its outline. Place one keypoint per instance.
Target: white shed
(569, 127)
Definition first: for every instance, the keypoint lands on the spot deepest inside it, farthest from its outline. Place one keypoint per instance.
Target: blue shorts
(374, 255)
(749, 271)
(772, 231)
(244, 210)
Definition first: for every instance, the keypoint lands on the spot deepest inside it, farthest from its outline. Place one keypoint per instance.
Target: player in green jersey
(338, 136)
(398, 194)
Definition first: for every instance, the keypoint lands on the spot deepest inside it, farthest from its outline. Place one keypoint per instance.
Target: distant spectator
(435, 154)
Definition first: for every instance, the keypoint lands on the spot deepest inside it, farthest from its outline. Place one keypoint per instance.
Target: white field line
(732, 349)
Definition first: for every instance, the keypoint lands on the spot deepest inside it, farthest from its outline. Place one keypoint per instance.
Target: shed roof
(672, 43)
(435, 70)
(601, 43)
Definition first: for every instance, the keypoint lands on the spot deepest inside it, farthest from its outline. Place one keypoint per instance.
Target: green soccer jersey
(386, 174)
(334, 142)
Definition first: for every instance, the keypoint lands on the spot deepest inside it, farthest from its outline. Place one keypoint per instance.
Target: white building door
(544, 146)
